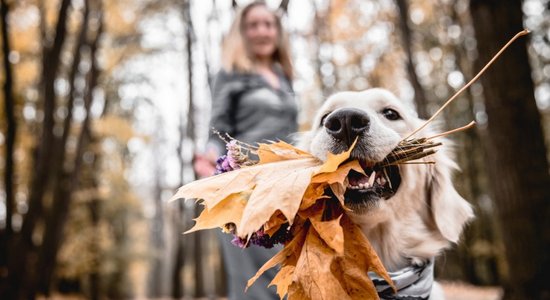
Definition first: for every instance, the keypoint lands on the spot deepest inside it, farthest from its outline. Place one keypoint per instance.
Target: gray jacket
(246, 107)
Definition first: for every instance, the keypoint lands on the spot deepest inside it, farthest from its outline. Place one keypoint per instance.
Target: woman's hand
(205, 164)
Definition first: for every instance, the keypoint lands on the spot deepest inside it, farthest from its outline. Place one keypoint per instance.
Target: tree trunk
(419, 94)
(191, 136)
(516, 154)
(9, 110)
(158, 268)
(21, 275)
(9, 102)
(68, 183)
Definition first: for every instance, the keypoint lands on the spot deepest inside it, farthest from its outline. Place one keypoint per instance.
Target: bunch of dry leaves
(327, 256)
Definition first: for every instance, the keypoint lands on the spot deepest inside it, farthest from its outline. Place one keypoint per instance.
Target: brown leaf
(216, 188)
(289, 253)
(278, 188)
(331, 233)
(334, 160)
(274, 223)
(279, 151)
(264, 182)
(283, 279)
(296, 292)
(339, 175)
(229, 210)
(313, 193)
(314, 269)
(359, 258)
(338, 190)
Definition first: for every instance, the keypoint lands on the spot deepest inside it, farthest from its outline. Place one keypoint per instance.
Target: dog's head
(378, 121)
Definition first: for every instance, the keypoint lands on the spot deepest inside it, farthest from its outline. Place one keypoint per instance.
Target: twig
(519, 34)
(471, 124)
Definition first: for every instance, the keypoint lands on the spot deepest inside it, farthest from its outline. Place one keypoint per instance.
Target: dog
(410, 213)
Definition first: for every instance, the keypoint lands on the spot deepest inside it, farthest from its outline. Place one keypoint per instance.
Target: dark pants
(242, 264)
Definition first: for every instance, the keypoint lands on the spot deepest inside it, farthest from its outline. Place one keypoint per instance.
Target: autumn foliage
(328, 257)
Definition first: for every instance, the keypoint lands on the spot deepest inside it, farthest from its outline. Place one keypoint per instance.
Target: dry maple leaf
(260, 181)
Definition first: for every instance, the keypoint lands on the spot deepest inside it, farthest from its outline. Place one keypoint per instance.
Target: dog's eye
(391, 114)
(323, 119)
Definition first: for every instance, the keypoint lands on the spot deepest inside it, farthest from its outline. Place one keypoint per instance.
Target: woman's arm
(224, 92)
(223, 110)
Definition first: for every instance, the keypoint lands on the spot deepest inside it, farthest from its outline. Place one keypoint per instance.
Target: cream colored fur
(426, 214)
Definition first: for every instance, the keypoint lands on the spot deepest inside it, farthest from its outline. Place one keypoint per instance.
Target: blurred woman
(252, 101)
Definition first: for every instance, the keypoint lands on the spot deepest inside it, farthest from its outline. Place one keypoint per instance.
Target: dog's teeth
(371, 178)
(379, 181)
(382, 181)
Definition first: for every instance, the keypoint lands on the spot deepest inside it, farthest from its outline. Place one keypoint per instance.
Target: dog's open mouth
(380, 182)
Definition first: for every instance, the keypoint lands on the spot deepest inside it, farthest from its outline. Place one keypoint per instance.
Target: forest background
(104, 103)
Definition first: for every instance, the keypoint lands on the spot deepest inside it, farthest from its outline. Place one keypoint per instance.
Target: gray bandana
(412, 283)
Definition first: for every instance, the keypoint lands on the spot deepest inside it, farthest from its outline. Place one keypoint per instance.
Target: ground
(461, 291)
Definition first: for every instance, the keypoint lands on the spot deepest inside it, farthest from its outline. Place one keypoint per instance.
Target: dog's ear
(449, 210)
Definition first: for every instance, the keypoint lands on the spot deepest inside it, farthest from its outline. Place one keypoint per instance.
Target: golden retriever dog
(410, 218)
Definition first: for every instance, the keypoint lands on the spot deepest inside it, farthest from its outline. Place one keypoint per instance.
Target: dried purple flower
(260, 238)
(234, 159)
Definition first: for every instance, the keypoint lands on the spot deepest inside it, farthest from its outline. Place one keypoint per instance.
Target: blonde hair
(235, 56)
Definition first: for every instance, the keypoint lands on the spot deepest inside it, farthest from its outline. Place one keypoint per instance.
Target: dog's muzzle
(346, 124)
(362, 190)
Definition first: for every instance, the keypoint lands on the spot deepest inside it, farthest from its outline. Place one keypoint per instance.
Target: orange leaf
(334, 160)
(279, 151)
(283, 279)
(274, 223)
(313, 193)
(338, 175)
(338, 190)
(278, 188)
(331, 232)
(360, 257)
(229, 210)
(216, 188)
(292, 249)
(314, 269)
(273, 186)
(296, 292)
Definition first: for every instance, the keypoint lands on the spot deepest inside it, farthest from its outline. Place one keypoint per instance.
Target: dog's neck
(385, 243)
(412, 282)
(401, 244)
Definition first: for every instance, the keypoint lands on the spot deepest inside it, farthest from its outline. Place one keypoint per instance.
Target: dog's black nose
(347, 124)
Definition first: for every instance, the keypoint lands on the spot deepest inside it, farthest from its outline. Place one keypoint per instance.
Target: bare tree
(23, 245)
(9, 110)
(68, 179)
(406, 36)
(516, 154)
